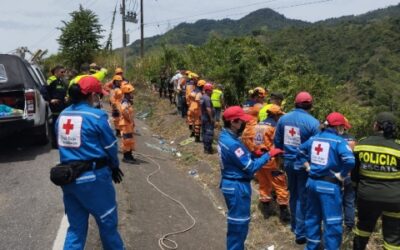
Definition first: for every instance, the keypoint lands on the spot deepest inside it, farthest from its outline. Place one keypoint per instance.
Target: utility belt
(237, 179)
(330, 179)
(127, 135)
(66, 173)
(115, 113)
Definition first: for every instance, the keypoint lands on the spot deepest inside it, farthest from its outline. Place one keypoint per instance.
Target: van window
(3, 74)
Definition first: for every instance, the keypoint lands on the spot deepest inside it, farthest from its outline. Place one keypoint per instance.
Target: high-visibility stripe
(380, 175)
(392, 214)
(388, 246)
(361, 232)
(377, 149)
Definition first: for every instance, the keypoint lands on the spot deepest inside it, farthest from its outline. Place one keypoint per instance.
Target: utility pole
(141, 30)
(123, 33)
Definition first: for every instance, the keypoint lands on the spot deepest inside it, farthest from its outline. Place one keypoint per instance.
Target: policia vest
(377, 171)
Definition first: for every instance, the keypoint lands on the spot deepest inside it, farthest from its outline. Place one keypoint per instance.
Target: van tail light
(30, 102)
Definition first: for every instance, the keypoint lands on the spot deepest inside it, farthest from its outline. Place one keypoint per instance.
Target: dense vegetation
(349, 64)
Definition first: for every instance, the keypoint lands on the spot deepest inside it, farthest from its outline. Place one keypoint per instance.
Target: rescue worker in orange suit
(190, 86)
(377, 178)
(115, 101)
(194, 113)
(252, 107)
(120, 72)
(270, 176)
(127, 124)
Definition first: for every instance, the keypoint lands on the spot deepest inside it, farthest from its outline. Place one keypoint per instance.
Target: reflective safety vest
(216, 98)
(262, 114)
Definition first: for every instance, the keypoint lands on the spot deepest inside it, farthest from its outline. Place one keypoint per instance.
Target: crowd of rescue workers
(316, 172)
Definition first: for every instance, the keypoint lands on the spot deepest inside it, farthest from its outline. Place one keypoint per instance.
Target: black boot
(197, 138)
(284, 214)
(128, 158)
(192, 134)
(266, 209)
(117, 133)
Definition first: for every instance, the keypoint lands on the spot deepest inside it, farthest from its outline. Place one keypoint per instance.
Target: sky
(34, 23)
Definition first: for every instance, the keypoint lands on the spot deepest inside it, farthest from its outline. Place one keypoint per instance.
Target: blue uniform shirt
(235, 159)
(85, 134)
(327, 153)
(293, 129)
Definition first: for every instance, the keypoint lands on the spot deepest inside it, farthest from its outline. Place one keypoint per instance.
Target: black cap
(277, 95)
(385, 117)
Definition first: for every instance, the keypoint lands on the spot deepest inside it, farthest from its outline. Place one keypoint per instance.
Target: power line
(236, 14)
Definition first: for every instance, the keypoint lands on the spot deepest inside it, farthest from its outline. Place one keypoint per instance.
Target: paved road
(31, 207)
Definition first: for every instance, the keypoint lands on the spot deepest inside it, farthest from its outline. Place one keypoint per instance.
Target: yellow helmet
(260, 92)
(118, 70)
(127, 88)
(201, 83)
(117, 78)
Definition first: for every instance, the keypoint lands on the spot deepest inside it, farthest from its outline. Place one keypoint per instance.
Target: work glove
(117, 175)
(275, 151)
(339, 177)
(258, 153)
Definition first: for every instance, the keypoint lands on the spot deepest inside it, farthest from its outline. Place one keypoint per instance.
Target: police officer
(377, 175)
(207, 119)
(237, 169)
(84, 135)
(328, 159)
(293, 129)
(56, 92)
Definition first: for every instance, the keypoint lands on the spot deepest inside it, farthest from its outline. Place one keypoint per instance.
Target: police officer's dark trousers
(368, 214)
(208, 134)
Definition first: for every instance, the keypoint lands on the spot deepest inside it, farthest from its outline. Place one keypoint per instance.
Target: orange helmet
(117, 78)
(127, 88)
(201, 83)
(118, 70)
(260, 92)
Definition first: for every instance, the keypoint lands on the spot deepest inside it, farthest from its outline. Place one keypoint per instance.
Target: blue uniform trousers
(297, 180)
(348, 203)
(92, 193)
(238, 200)
(324, 203)
(208, 134)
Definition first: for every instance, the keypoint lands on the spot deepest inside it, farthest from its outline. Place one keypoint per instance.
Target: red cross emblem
(292, 132)
(68, 126)
(319, 149)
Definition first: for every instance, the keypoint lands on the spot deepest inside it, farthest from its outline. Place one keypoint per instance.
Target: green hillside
(199, 32)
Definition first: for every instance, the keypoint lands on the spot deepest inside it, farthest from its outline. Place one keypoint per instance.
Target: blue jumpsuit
(293, 129)
(237, 170)
(327, 153)
(85, 134)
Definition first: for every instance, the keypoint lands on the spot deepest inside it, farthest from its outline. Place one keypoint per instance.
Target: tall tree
(80, 37)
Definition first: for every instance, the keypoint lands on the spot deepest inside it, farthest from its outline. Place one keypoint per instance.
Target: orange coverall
(261, 136)
(189, 89)
(194, 113)
(115, 101)
(127, 126)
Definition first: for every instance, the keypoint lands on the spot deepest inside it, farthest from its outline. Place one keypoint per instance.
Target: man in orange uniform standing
(190, 87)
(270, 176)
(115, 101)
(194, 113)
(127, 123)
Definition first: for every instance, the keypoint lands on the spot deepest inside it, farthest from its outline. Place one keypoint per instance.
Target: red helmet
(208, 86)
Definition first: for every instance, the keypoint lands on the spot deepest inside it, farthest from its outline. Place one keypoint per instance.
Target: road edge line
(61, 234)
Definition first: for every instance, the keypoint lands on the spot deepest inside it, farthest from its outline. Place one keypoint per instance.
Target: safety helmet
(119, 70)
(127, 88)
(260, 92)
(117, 78)
(201, 83)
(208, 86)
